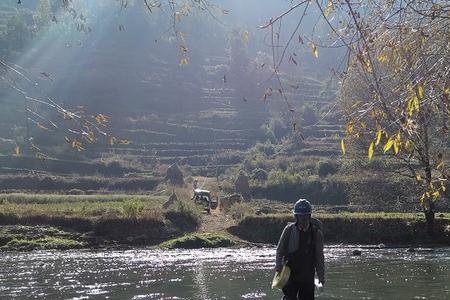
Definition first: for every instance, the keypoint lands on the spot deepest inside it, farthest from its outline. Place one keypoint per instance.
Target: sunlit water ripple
(217, 274)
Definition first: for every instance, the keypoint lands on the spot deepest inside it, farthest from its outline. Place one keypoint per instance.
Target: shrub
(259, 174)
(266, 148)
(326, 167)
(240, 210)
(131, 208)
(186, 216)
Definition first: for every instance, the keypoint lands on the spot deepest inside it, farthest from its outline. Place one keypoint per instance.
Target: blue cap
(302, 207)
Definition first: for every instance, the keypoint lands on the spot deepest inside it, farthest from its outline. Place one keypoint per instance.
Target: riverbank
(58, 221)
(179, 230)
(390, 229)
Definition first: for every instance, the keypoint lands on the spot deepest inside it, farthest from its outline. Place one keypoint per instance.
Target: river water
(217, 274)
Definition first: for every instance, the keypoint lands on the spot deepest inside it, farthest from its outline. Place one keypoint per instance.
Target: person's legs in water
(290, 290)
(306, 291)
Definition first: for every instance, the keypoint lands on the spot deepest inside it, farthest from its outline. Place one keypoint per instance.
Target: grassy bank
(359, 228)
(93, 220)
(76, 184)
(52, 221)
(20, 238)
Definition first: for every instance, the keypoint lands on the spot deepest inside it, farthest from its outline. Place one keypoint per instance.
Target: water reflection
(218, 274)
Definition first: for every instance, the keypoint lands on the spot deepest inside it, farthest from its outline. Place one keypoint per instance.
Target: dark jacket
(289, 242)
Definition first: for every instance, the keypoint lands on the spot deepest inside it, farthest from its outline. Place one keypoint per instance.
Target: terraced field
(218, 135)
(212, 127)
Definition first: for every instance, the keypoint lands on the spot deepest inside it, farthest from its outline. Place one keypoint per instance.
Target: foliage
(186, 215)
(398, 80)
(326, 167)
(308, 115)
(259, 174)
(275, 129)
(366, 228)
(42, 244)
(285, 186)
(83, 206)
(240, 210)
(132, 208)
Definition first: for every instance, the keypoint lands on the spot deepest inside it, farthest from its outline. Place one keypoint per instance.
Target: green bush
(289, 187)
(326, 167)
(185, 216)
(132, 208)
(259, 174)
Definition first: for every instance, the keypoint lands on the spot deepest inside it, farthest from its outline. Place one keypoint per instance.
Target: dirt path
(218, 222)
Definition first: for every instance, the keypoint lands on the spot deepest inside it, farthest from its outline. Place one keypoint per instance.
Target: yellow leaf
(90, 137)
(101, 119)
(314, 50)
(123, 142)
(349, 129)
(379, 134)
(418, 178)
(184, 61)
(397, 143)
(368, 66)
(328, 8)
(413, 104)
(396, 147)
(388, 145)
(440, 165)
(382, 58)
(246, 37)
(67, 115)
(436, 194)
(408, 145)
(17, 151)
(420, 90)
(423, 197)
(112, 140)
(343, 146)
(447, 93)
(77, 145)
(371, 150)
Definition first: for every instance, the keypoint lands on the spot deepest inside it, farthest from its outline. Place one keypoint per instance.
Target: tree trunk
(429, 217)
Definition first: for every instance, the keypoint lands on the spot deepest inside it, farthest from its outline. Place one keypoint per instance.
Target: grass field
(85, 206)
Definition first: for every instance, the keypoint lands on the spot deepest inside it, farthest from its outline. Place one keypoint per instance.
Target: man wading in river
(301, 244)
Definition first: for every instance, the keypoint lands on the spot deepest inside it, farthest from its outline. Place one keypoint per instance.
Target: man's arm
(319, 256)
(282, 248)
